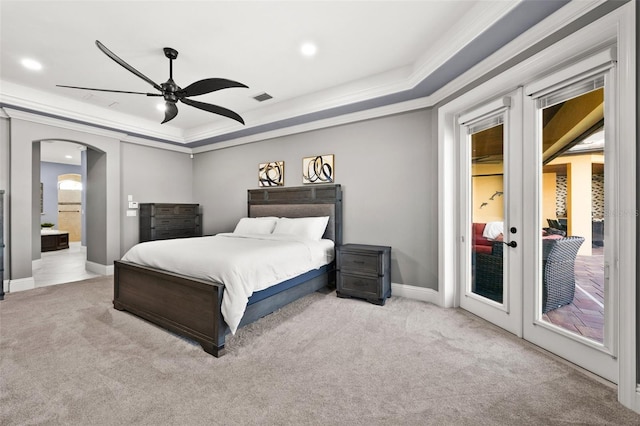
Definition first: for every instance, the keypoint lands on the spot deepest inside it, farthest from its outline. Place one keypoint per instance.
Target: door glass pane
(571, 281)
(487, 212)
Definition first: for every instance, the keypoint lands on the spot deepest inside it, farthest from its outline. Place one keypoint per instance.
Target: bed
(192, 307)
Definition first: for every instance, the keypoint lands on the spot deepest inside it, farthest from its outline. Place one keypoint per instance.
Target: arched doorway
(63, 179)
(27, 132)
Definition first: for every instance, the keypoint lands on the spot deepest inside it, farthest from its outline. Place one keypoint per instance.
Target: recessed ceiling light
(161, 107)
(308, 49)
(31, 64)
(68, 156)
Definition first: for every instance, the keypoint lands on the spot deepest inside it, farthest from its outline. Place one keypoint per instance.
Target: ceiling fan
(173, 93)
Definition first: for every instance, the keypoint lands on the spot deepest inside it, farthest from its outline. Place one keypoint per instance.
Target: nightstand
(364, 271)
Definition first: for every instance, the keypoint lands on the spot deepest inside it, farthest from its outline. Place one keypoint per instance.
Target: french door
(570, 297)
(537, 190)
(491, 196)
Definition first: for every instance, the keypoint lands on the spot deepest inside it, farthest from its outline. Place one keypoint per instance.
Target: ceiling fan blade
(126, 65)
(170, 111)
(214, 109)
(208, 85)
(109, 90)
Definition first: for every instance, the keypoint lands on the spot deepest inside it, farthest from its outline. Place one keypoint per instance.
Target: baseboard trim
(98, 268)
(417, 293)
(21, 284)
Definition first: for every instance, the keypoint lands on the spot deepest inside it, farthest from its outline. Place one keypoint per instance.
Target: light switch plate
(133, 204)
(132, 212)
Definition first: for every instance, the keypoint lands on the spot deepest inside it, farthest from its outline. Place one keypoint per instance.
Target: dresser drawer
(175, 222)
(173, 210)
(359, 285)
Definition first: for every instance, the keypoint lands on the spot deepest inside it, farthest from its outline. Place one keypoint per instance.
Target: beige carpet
(69, 358)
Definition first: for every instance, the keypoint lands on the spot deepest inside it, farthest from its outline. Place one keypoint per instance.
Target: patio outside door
(490, 141)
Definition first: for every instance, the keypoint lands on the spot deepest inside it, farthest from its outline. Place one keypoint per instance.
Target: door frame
(617, 27)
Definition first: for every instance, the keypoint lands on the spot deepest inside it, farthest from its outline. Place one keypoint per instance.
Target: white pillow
(311, 228)
(255, 225)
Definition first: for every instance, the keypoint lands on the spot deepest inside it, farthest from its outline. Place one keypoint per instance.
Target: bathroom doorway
(63, 177)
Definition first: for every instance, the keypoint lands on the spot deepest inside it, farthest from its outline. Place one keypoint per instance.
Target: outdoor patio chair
(558, 272)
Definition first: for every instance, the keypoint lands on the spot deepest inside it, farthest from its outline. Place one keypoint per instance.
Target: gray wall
(386, 166)
(35, 201)
(151, 175)
(96, 207)
(5, 167)
(637, 192)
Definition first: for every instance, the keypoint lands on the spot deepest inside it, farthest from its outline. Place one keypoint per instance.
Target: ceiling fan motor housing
(169, 90)
(170, 53)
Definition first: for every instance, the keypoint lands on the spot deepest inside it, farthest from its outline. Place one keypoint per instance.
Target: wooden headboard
(300, 201)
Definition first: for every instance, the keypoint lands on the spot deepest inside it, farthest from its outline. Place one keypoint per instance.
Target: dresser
(161, 221)
(1, 245)
(364, 271)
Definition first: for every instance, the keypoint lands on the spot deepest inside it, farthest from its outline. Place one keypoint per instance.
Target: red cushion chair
(480, 244)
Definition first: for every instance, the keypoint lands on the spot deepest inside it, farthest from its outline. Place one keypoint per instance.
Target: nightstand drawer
(358, 285)
(360, 262)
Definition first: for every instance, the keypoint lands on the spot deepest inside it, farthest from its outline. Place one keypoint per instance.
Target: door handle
(511, 244)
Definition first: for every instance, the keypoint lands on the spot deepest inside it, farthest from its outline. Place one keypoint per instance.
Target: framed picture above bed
(318, 169)
(271, 174)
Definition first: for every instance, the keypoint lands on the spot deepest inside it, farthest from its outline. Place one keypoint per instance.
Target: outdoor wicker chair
(558, 272)
(488, 273)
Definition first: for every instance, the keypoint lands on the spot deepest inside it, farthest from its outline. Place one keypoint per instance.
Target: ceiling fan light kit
(171, 92)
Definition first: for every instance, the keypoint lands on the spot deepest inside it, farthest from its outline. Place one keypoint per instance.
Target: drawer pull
(359, 262)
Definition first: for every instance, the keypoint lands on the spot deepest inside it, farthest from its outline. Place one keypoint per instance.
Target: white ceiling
(367, 51)
(61, 152)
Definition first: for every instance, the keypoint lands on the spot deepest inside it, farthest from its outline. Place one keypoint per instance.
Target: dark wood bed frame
(191, 307)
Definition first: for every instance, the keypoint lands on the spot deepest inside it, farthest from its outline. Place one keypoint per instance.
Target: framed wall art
(318, 169)
(271, 174)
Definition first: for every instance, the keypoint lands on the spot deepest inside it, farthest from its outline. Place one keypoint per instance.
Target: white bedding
(244, 263)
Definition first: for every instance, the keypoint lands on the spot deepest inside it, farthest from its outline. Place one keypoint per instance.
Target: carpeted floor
(67, 357)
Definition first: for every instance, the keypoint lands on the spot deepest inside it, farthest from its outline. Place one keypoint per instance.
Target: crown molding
(400, 107)
(478, 19)
(562, 17)
(383, 84)
(88, 128)
(155, 144)
(62, 123)
(49, 104)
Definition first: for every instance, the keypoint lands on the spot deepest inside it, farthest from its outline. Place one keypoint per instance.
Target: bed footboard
(186, 306)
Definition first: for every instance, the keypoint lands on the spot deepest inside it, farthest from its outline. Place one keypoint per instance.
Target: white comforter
(243, 263)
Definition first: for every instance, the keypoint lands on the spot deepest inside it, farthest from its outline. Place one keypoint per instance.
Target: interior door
(491, 199)
(570, 297)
